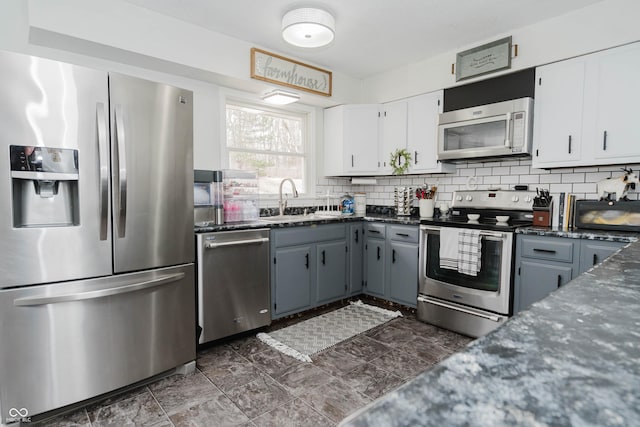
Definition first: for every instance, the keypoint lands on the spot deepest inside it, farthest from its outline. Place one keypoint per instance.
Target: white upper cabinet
(586, 108)
(611, 105)
(422, 133)
(557, 126)
(359, 138)
(393, 131)
(351, 140)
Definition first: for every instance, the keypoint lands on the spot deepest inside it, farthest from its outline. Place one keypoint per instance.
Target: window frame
(307, 113)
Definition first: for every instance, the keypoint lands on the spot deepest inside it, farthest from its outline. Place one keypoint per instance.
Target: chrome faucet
(283, 204)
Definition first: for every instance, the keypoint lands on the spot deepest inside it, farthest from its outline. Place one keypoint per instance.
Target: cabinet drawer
(561, 250)
(404, 233)
(376, 231)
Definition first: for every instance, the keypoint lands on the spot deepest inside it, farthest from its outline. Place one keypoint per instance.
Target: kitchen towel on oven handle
(469, 252)
(449, 248)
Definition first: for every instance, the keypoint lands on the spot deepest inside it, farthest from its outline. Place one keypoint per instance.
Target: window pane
(254, 129)
(271, 169)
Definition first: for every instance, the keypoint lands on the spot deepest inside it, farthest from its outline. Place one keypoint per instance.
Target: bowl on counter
(502, 218)
(473, 217)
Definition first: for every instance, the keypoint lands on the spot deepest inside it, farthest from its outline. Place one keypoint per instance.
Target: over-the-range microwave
(494, 130)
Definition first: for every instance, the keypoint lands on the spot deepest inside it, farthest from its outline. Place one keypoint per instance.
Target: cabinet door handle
(393, 256)
(357, 236)
(546, 251)
(415, 157)
(323, 258)
(352, 160)
(374, 231)
(378, 252)
(402, 234)
(306, 262)
(559, 280)
(569, 144)
(595, 259)
(604, 141)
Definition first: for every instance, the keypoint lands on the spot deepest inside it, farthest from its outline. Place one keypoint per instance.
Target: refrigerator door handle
(101, 293)
(103, 165)
(122, 171)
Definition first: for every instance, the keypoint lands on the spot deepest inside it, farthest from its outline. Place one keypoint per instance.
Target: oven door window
(488, 278)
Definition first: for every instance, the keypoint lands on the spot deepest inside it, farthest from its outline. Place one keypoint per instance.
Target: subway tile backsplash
(499, 174)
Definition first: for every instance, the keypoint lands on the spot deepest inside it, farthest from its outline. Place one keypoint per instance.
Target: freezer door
(71, 341)
(54, 172)
(152, 173)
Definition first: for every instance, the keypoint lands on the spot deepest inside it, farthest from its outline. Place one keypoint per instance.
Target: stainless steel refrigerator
(96, 233)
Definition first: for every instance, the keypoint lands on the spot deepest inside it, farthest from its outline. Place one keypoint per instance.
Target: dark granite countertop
(571, 359)
(392, 219)
(608, 235)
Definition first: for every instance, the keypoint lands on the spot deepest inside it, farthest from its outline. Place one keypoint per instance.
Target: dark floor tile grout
(161, 407)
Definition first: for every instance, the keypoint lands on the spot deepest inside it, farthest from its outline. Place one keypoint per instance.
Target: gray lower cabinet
(376, 266)
(309, 267)
(403, 273)
(292, 274)
(544, 263)
(593, 252)
(537, 279)
(356, 258)
(331, 262)
(391, 262)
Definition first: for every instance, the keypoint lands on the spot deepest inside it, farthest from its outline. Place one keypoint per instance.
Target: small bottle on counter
(347, 204)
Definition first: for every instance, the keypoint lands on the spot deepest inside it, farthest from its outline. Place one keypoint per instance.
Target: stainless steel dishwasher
(233, 282)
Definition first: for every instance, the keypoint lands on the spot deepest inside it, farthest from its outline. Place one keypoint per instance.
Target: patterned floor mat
(307, 338)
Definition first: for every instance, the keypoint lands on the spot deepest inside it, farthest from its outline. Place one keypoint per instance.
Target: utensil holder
(426, 207)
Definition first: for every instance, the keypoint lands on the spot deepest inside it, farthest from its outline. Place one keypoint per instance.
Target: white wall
(605, 24)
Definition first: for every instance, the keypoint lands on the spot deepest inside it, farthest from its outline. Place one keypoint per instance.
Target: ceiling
(372, 36)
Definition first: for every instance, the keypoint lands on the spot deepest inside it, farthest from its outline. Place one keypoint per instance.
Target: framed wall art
(484, 59)
(273, 68)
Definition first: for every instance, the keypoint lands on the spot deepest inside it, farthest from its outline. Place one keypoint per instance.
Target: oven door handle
(458, 308)
(482, 232)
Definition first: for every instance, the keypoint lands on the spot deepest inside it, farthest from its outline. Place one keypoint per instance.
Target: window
(269, 141)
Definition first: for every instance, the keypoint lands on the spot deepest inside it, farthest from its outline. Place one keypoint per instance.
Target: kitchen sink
(278, 219)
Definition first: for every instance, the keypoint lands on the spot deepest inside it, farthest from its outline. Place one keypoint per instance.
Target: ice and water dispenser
(44, 186)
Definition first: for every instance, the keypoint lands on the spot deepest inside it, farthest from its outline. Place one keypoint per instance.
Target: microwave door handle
(509, 127)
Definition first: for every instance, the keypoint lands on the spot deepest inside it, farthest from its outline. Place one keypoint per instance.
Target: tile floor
(243, 382)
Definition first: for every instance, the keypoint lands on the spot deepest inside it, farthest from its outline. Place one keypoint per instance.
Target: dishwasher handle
(214, 245)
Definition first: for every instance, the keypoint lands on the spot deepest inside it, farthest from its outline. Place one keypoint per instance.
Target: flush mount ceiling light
(280, 97)
(308, 27)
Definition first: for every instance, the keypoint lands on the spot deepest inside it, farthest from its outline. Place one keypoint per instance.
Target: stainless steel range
(466, 264)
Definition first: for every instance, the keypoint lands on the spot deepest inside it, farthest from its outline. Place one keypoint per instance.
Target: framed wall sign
(273, 68)
(484, 59)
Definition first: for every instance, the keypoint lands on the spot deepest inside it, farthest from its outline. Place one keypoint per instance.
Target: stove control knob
(515, 198)
(468, 198)
(459, 198)
(528, 199)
